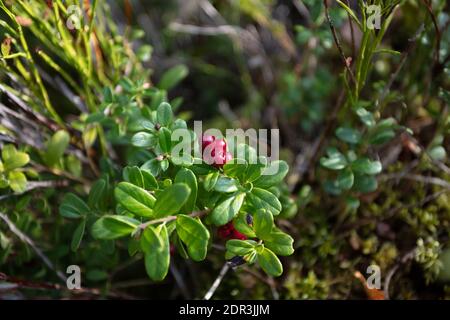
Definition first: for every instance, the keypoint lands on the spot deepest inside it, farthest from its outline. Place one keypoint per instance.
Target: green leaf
(365, 183)
(211, 180)
(17, 181)
(164, 114)
(267, 180)
(270, 263)
(240, 247)
(156, 247)
(188, 177)
(73, 165)
(241, 225)
(381, 137)
(226, 185)
(153, 166)
(164, 138)
(113, 226)
(366, 166)
(134, 176)
(235, 168)
(56, 148)
(164, 164)
(78, 235)
(335, 161)
(345, 179)
(144, 53)
(262, 223)
(253, 172)
(366, 117)
(97, 194)
(171, 200)
(263, 199)
(135, 199)
(350, 13)
(12, 158)
(97, 275)
(150, 182)
(225, 211)
(143, 140)
(194, 235)
(348, 135)
(332, 187)
(383, 131)
(73, 207)
(172, 77)
(280, 243)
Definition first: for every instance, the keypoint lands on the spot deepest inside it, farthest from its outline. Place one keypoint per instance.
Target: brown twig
(352, 31)
(32, 185)
(337, 42)
(408, 256)
(429, 7)
(217, 282)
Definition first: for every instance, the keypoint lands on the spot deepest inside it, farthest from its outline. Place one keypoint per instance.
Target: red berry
(220, 146)
(215, 152)
(207, 140)
(229, 232)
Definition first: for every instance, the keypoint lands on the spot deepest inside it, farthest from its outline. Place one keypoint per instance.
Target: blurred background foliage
(244, 64)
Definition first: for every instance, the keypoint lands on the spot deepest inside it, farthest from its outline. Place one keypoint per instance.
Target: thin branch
(144, 225)
(408, 256)
(352, 31)
(179, 281)
(337, 42)
(24, 238)
(217, 282)
(429, 7)
(415, 177)
(32, 185)
(205, 31)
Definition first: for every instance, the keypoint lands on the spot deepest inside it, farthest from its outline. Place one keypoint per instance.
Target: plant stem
(144, 225)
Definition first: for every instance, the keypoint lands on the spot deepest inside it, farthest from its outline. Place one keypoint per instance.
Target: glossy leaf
(73, 207)
(272, 175)
(135, 199)
(269, 262)
(188, 177)
(194, 235)
(156, 247)
(262, 223)
(227, 209)
(263, 199)
(171, 200)
(113, 226)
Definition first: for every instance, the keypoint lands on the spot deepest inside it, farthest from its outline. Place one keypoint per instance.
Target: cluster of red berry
(215, 151)
(217, 155)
